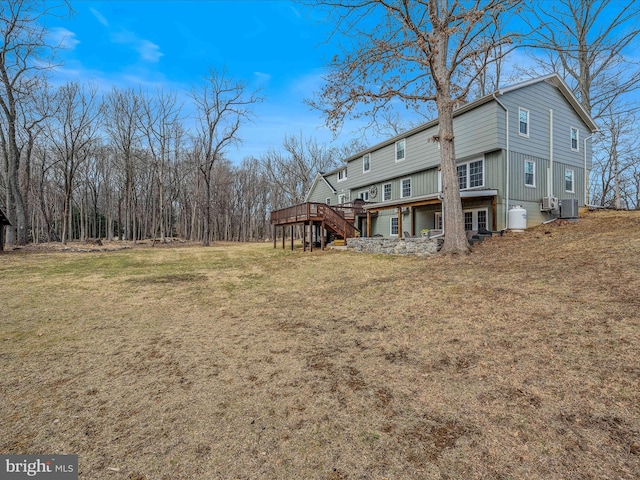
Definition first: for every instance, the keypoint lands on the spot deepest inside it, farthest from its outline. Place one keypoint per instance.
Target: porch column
(399, 222)
(368, 223)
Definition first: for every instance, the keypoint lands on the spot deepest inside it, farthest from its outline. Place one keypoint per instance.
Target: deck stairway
(339, 219)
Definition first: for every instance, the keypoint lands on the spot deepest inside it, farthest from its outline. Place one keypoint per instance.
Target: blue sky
(276, 46)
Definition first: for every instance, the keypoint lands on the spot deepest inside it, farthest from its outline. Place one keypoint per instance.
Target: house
(527, 145)
(3, 221)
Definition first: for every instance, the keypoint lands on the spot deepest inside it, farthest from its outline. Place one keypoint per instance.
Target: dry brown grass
(519, 361)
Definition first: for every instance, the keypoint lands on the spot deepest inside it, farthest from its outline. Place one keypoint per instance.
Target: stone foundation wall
(393, 246)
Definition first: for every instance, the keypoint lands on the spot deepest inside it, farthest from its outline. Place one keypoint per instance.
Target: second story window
(405, 185)
(342, 175)
(366, 163)
(400, 150)
(574, 139)
(386, 192)
(523, 115)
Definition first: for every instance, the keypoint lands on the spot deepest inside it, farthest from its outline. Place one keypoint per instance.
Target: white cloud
(64, 38)
(99, 17)
(148, 50)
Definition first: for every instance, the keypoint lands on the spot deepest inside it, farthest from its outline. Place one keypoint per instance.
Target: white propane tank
(517, 219)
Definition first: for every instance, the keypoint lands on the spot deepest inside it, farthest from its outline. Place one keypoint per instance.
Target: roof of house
(3, 219)
(319, 176)
(552, 78)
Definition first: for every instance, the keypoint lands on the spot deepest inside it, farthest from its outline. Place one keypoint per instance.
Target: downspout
(550, 175)
(508, 161)
(441, 234)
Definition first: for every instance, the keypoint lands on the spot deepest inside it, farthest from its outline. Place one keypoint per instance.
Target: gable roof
(553, 78)
(317, 178)
(3, 219)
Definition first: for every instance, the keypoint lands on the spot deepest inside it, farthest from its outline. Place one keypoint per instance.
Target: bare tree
(25, 56)
(72, 132)
(162, 129)
(420, 51)
(292, 169)
(222, 105)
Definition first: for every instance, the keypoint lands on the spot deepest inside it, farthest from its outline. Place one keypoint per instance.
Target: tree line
(77, 163)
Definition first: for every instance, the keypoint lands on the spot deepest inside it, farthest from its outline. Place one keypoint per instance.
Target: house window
(530, 173)
(462, 176)
(568, 180)
(471, 174)
(342, 198)
(475, 219)
(364, 195)
(394, 226)
(342, 175)
(328, 202)
(386, 192)
(523, 115)
(405, 185)
(366, 163)
(400, 150)
(574, 139)
(437, 221)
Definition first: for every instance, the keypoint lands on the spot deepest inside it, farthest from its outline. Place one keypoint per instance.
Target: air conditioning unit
(549, 203)
(569, 208)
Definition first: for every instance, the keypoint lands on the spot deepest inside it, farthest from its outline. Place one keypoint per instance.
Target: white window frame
(384, 192)
(437, 221)
(573, 180)
(328, 202)
(342, 175)
(528, 123)
(364, 195)
(402, 195)
(366, 163)
(404, 150)
(343, 198)
(474, 217)
(391, 225)
(467, 175)
(531, 185)
(577, 132)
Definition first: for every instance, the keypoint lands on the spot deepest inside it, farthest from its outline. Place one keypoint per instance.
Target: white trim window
(575, 139)
(343, 198)
(342, 175)
(529, 173)
(437, 220)
(569, 176)
(523, 122)
(366, 163)
(328, 202)
(386, 192)
(364, 195)
(393, 227)
(475, 219)
(401, 150)
(471, 174)
(405, 187)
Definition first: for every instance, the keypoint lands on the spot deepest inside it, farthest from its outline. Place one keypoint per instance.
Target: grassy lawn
(240, 361)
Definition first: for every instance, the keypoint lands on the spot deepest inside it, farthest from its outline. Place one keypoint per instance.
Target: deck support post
(311, 235)
(273, 232)
(292, 237)
(283, 236)
(304, 237)
(323, 235)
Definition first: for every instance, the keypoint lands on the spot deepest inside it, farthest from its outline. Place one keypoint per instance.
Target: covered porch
(411, 205)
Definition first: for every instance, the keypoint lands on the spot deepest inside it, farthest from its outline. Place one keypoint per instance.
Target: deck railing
(340, 218)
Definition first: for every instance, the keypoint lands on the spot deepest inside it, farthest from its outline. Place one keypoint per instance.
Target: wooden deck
(339, 219)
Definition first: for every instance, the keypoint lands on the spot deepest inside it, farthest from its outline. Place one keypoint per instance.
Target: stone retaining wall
(393, 246)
